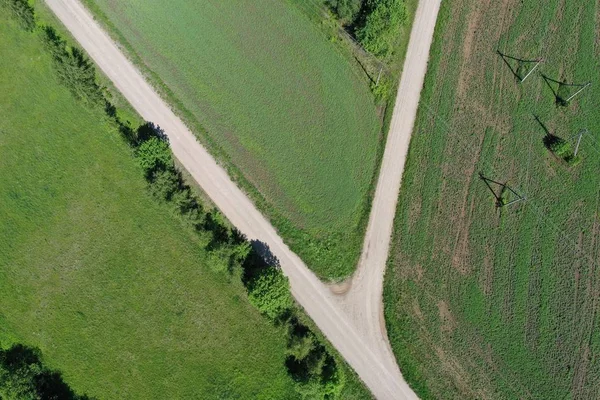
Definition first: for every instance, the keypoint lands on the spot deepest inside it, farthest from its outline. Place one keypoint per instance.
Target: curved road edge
(364, 299)
(355, 331)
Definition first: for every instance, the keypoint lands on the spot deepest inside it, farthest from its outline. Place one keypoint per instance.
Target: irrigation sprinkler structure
(379, 76)
(518, 72)
(560, 97)
(500, 197)
(583, 86)
(579, 136)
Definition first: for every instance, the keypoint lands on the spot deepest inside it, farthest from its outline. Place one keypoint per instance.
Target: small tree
(23, 12)
(346, 10)
(269, 292)
(379, 32)
(154, 155)
(164, 183)
(24, 377)
(561, 149)
(19, 366)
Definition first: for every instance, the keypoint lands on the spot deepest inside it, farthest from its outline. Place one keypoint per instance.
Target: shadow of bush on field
(22, 11)
(560, 147)
(23, 375)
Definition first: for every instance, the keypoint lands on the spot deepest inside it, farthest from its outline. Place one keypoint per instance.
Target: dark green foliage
(382, 21)
(314, 370)
(346, 10)
(308, 362)
(74, 69)
(24, 377)
(154, 155)
(227, 247)
(561, 149)
(164, 184)
(23, 11)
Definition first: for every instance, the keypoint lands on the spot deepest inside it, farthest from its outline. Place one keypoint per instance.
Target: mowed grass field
(115, 291)
(501, 303)
(279, 104)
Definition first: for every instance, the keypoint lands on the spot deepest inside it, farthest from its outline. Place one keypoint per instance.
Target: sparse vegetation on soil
(488, 302)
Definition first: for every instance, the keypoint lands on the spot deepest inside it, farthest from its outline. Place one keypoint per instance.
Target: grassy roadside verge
(319, 13)
(174, 199)
(105, 280)
(331, 250)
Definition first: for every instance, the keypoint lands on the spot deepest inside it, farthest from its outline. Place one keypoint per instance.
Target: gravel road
(352, 321)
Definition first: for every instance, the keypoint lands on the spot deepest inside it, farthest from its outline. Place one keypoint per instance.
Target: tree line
(308, 361)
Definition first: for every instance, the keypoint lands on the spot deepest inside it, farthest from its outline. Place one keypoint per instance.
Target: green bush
(22, 11)
(346, 10)
(311, 366)
(74, 69)
(561, 149)
(382, 90)
(379, 31)
(154, 155)
(24, 377)
(164, 184)
(269, 292)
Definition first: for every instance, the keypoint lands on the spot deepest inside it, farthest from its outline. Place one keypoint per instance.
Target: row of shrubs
(374, 23)
(309, 363)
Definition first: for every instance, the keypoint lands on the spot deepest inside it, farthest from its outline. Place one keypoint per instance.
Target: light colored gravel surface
(353, 321)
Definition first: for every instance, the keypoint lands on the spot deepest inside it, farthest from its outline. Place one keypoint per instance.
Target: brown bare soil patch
(448, 321)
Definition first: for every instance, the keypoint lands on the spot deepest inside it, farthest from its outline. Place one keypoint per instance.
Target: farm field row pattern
(483, 302)
(291, 118)
(116, 293)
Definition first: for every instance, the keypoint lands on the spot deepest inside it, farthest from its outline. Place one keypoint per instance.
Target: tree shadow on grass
(259, 259)
(551, 83)
(522, 69)
(26, 374)
(564, 92)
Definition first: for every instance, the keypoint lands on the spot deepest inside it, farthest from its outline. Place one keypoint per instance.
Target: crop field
(487, 302)
(275, 101)
(96, 273)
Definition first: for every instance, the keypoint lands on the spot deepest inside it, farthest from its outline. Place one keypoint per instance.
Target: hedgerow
(312, 367)
(74, 70)
(22, 11)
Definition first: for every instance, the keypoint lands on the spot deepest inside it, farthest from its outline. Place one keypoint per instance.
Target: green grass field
(105, 281)
(501, 303)
(286, 111)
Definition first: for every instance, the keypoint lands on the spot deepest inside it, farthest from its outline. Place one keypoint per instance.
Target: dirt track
(352, 321)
